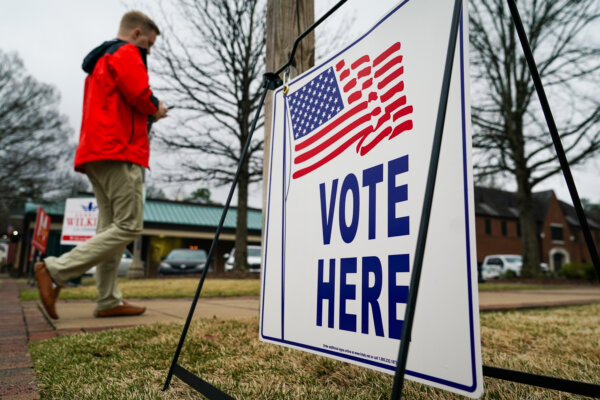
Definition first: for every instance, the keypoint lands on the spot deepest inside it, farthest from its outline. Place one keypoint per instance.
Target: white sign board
(351, 144)
(80, 220)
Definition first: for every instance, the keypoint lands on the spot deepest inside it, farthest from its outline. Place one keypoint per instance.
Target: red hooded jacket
(117, 105)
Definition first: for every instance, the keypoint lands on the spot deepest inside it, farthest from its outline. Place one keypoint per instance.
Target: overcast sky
(52, 37)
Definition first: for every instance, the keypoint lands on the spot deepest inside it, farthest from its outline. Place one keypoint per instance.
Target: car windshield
(254, 251)
(514, 260)
(187, 255)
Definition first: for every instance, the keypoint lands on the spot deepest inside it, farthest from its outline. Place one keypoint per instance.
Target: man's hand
(161, 112)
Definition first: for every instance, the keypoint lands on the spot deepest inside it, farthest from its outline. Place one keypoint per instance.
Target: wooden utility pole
(286, 19)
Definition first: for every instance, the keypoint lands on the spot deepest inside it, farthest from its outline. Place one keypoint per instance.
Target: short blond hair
(137, 19)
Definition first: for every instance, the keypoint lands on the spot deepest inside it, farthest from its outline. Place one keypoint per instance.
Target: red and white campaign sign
(351, 145)
(41, 231)
(81, 218)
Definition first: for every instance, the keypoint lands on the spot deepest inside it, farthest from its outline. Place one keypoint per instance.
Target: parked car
(183, 261)
(501, 264)
(123, 265)
(491, 268)
(254, 259)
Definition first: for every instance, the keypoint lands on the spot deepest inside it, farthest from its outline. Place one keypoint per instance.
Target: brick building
(499, 232)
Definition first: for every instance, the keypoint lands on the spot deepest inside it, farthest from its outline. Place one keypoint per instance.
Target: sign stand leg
(31, 264)
(426, 212)
(270, 81)
(582, 388)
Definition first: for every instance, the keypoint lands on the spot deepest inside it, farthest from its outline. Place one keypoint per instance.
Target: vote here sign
(351, 145)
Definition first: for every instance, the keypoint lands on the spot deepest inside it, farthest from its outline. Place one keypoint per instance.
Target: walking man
(113, 150)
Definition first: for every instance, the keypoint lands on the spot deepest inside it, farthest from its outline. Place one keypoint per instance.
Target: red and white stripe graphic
(375, 108)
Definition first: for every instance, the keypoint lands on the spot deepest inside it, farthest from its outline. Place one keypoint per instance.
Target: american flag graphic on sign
(353, 102)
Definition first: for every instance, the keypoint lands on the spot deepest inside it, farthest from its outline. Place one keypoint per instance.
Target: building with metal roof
(167, 225)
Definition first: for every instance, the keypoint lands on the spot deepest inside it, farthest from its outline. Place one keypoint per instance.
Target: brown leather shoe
(48, 294)
(124, 309)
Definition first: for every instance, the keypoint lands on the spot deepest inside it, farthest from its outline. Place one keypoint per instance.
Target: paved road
(78, 314)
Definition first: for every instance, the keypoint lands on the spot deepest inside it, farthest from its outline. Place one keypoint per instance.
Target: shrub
(509, 274)
(577, 270)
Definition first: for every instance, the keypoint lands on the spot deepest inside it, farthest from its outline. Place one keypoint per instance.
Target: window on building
(556, 233)
(518, 229)
(503, 224)
(488, 227)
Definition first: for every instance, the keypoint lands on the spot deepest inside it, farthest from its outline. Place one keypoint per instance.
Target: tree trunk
(529, 232)
(285, 21)
(240, 262)
(241, 232)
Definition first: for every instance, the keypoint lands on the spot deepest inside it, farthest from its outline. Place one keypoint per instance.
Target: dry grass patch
(159, 288)
(563, 342)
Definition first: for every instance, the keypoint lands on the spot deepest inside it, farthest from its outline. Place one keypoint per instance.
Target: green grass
(132, 363)
(159, 288)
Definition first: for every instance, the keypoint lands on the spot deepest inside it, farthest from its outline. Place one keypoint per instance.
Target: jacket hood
(89, 62)
(110, 46)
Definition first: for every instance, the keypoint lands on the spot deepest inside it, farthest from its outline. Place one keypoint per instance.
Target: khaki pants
(118, 190)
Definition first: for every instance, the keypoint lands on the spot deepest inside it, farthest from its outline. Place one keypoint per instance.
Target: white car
(254, 259)
(123, 265)
(500, 264)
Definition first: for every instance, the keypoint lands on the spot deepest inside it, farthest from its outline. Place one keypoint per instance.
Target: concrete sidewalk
(78, 314)
(535, 298)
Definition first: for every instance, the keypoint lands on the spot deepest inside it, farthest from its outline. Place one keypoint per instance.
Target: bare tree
(210, 65)
(200, 195)
(154, 192)
(34, 138)
(510, 133)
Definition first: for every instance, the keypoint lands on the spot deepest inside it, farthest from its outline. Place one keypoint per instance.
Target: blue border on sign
(445, 382)
(466, 193)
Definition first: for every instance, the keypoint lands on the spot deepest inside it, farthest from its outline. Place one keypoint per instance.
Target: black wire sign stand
(271, 81)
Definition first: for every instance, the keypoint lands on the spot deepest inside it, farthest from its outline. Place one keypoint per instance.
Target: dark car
(183, 261)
